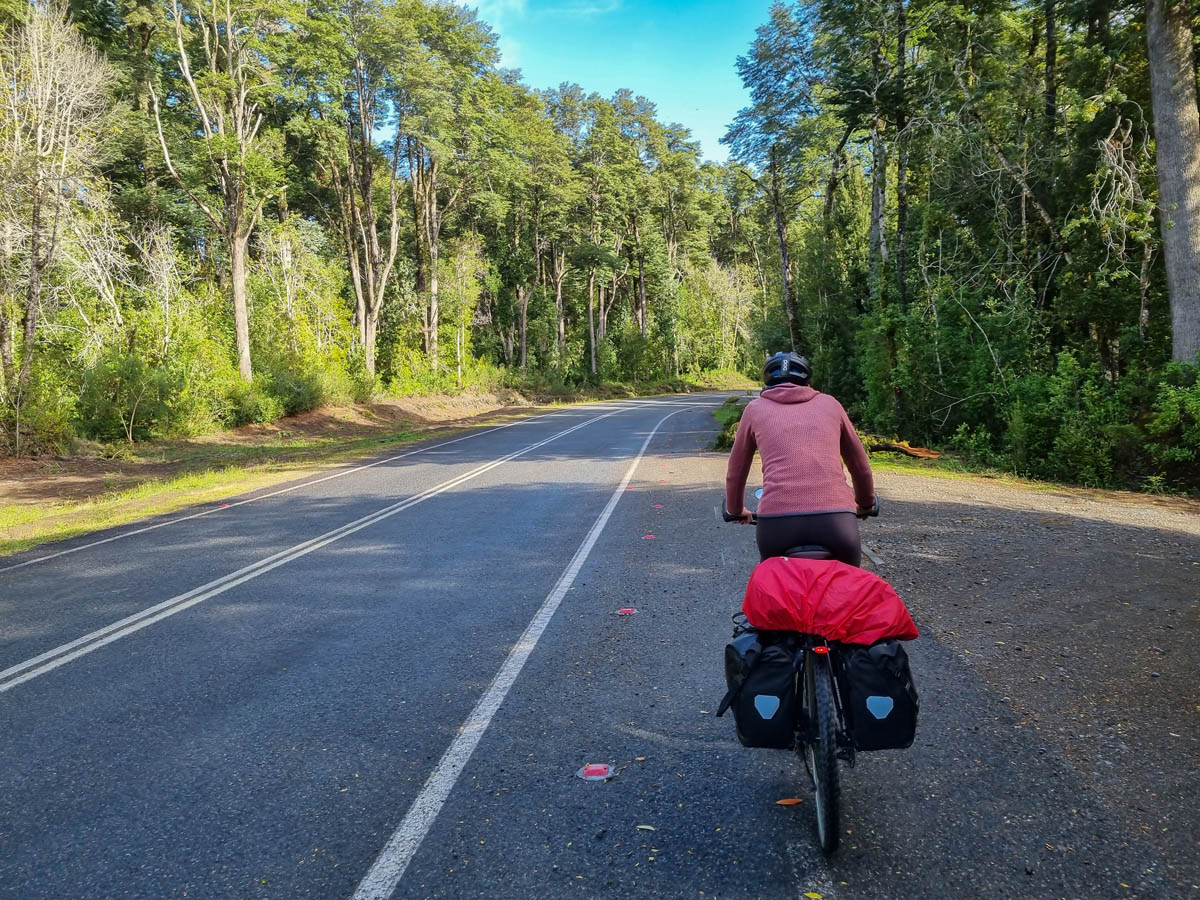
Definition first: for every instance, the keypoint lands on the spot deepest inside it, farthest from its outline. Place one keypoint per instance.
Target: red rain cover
(827, 598)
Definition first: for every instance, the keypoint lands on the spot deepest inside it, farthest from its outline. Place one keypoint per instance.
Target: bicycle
(823, 736)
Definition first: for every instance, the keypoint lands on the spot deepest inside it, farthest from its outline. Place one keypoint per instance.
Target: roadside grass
(213, 473)
(29, 526)
(728, 414)
(204, 472)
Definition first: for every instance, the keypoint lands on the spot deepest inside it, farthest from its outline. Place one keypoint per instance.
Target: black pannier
(761, 675)
(881, 699)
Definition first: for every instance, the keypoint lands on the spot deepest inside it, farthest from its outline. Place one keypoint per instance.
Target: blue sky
(678, 54)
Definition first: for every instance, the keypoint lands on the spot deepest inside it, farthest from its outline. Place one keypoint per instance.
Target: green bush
(123, 397)
(38, 420)
(362, 386)
(728, 415)
(1174, 428)
(298, 391)
(250, 404)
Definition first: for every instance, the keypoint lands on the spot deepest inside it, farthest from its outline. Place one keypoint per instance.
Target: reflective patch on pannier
(880, 706)
(766, 706)
(881, 700)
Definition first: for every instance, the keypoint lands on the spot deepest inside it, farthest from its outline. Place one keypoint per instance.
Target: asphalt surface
(267, 741)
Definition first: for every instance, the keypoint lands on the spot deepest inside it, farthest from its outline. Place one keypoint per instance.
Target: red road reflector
(658, 506)
(627, 611)
(820, 648)
(596, 772)
(224, 506)
(647, 537)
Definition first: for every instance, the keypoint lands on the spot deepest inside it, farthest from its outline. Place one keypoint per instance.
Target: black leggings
(836, 531)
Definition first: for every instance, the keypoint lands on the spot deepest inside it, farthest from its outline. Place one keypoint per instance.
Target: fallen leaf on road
(789, 801)
(639, 759)
(812, 895)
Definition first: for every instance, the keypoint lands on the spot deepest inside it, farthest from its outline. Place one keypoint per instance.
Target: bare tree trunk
(877, 246)
(560, 273)
(460, 339)
(1144, 293)
(6, 348)
(241, 314)
(506, 344)
(760, 277)
(592, 318)
(640, 305)
(785, 263)
(1177, 145)
(33, 290)
(433, 303)
(902, 154)
(523, 323)
(602, 314)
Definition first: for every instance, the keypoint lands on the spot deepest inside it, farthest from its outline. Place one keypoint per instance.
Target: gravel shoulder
(1079, 610)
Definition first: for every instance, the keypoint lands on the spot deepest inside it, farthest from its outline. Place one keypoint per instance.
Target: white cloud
(495, 10)
(582, 9)
(498, 13)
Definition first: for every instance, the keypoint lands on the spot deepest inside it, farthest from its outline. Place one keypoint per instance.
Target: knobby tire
(821, 752)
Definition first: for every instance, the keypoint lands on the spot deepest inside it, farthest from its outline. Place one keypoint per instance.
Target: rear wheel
(820, 753)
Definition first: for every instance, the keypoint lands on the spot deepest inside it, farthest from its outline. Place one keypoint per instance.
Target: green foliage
(250, 404)
(1019, 315)
(123, 397)
(38, 419)
(728, 415)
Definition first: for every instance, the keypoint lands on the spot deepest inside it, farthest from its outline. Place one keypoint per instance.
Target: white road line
(286, 490)
(380, 881)
(52, 659)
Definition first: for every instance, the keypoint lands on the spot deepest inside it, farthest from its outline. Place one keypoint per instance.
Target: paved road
(383, 683)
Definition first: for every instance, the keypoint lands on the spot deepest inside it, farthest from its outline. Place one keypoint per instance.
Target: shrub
(250, 404)
(123, 397)
(38, 420)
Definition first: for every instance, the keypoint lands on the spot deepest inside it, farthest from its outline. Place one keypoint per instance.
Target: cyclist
(803, 437)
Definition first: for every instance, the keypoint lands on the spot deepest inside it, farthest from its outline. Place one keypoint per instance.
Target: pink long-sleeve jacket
(803, 437)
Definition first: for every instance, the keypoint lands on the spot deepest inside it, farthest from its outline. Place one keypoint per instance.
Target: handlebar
(729, 518)
(874, 513)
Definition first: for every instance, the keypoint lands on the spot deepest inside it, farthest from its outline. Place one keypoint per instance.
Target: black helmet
(790, 368)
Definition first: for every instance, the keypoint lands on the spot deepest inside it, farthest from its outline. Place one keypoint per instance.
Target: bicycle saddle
(808, 551)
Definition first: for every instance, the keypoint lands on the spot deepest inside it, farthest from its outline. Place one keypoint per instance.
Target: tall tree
(226, 55)
(365, 176)
(439, 86)
(53, 101)
(1169, 37)
(777, 72)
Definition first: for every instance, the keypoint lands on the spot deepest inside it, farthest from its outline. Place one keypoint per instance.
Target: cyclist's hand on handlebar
(873, 510)
(744, 517)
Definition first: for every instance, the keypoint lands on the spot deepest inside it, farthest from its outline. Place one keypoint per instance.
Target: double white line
(61, 655)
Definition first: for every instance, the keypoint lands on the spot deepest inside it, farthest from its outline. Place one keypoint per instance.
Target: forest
(219, 212)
